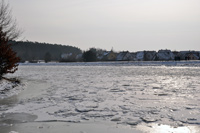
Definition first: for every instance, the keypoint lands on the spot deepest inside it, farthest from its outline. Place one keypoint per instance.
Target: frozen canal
(146, 98)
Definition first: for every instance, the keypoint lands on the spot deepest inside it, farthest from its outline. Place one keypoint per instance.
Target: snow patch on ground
(8, 89)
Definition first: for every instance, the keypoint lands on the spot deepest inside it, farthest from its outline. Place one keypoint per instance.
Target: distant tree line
(34, 51)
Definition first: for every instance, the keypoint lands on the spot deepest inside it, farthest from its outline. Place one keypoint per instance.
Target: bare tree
(8, 31)
(7, 23)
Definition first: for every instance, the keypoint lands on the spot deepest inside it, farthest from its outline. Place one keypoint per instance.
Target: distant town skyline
(132, 25)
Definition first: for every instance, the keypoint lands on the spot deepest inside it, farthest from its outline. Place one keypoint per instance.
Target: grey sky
(122, 24)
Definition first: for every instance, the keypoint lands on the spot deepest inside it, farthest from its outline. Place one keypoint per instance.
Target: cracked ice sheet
(123, 94)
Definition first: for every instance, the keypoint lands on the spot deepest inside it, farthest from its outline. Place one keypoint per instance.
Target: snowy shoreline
(195, 63)
(8, 89)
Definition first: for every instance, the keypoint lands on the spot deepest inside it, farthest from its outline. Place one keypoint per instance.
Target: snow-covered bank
(8, 89)
(121, 63)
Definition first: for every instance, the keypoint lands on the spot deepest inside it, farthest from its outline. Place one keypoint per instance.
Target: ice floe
(121, 93)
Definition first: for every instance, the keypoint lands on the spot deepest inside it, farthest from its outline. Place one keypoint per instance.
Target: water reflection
(156, 128)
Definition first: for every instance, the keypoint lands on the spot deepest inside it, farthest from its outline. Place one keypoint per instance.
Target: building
(189, 55)
(134, 54)
(110, 56)
(124, 56)
(149, 55)
(140, 56)
(65, 56)
(164, 55)
(192, 56)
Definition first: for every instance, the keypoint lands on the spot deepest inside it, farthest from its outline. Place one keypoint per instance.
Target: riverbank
(8, 88)
(195, 63)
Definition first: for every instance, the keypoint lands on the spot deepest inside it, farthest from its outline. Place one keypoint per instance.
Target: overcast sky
(122, 24)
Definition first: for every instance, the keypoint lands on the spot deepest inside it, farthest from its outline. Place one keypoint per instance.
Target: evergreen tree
(89, 56)
(47, 57)
(8, 58)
